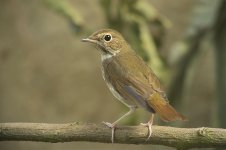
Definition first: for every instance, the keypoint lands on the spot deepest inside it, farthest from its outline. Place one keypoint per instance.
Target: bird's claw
(112, 126)
(149, 125)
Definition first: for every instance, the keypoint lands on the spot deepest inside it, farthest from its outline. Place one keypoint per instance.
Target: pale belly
(112, 89)
(126, 102)
(134, 99)
(110, 86)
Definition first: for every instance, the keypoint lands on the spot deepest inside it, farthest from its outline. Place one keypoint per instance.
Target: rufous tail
(164, 109)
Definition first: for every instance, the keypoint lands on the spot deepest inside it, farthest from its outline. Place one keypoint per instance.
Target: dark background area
(48, 75)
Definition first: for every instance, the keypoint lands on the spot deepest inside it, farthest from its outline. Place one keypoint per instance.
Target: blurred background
(48, 75)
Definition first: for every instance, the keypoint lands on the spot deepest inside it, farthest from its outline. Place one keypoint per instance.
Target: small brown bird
(130, 80)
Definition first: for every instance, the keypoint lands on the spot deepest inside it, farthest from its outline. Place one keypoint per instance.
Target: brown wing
(139, 82)
(137, 73)
(155, 100)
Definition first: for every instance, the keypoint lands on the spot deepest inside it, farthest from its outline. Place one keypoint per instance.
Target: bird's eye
(107, 37)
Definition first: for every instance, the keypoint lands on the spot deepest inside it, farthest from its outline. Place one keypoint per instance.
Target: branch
(184, 51)
(169, 136)
(66, 10)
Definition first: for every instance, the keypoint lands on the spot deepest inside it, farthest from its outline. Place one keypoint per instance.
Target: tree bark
(180, 138)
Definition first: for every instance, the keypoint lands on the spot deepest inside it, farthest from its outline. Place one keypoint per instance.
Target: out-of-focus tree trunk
(220, 44)
(203, 18)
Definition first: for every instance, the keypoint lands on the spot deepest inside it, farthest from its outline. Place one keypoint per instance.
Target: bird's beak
(89, 40)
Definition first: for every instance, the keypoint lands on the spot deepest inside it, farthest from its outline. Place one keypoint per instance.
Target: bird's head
(108, 41)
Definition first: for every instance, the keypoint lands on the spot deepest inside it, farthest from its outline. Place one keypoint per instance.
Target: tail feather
(164, 109)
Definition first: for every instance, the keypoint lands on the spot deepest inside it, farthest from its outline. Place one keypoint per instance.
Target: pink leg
(112, 125)
(149, 125)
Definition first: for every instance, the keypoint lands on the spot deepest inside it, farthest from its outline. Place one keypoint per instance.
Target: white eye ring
(107, 37)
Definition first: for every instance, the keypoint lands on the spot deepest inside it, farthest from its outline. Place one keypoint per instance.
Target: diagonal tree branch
(180, 138)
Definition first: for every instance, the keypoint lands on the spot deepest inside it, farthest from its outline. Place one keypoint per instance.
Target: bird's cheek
(115, 46)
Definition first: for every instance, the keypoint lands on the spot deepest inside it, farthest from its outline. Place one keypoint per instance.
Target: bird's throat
(106, 56)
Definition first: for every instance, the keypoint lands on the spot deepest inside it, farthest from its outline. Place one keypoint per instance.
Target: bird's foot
(112, 126)
(149, 125)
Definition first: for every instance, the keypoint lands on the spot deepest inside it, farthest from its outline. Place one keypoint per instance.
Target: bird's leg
(112, 125)
(149, 125)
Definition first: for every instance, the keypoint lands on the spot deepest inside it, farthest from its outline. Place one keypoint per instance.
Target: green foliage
(63, 8)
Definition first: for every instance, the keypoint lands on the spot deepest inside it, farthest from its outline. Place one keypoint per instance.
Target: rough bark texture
(180, 138)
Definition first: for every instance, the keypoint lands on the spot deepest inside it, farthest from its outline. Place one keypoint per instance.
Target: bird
(130, 79)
